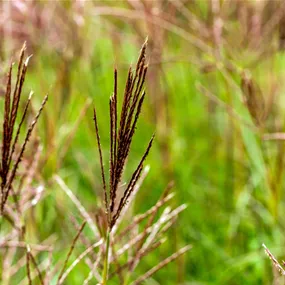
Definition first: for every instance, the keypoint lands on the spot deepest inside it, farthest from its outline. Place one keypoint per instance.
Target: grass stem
(106, 261)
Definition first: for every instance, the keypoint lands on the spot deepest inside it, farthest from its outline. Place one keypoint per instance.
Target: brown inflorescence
(121, 139)
(9, 160)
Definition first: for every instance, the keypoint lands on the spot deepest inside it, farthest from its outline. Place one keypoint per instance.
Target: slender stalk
(126, 281)
(106, 261)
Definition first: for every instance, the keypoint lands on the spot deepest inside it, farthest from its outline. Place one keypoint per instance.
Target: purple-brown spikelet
(121, 139)
(253, 98)
(11, 109)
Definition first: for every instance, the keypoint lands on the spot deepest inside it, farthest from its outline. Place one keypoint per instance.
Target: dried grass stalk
(28, 265)
(161, 265)
(274, 260)
(78, 259)
(60, 277)
(36, 267)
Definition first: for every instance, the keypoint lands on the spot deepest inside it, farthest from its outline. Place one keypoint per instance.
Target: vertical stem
(106, 261)
(126, 281)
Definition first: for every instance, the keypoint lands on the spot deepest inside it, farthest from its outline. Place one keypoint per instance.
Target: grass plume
(9, 165)
(120, 143)
(121, 139)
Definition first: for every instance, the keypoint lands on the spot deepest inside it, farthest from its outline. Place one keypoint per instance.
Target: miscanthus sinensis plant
(18, 168)
(122, 131)
(115, 243)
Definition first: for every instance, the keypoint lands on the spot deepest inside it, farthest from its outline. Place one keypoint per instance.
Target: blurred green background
(221, 144)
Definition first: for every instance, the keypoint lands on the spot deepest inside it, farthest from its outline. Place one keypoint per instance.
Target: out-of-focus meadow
(214, 98)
